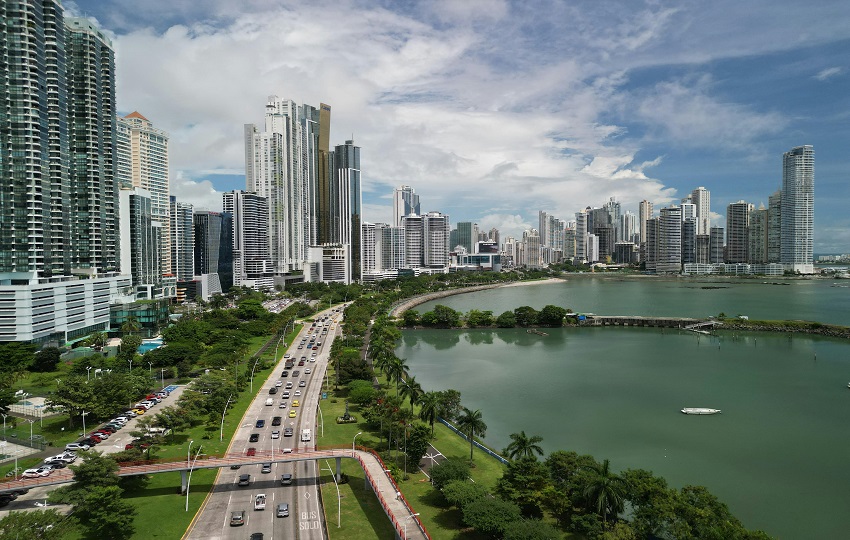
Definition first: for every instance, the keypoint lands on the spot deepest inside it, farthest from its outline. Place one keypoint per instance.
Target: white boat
(699, 410)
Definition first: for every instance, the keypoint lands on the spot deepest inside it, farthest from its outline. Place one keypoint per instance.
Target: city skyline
(634, 102)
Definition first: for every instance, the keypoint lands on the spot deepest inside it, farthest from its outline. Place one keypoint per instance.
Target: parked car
(36, 473)
(56, 463)
(76, 446)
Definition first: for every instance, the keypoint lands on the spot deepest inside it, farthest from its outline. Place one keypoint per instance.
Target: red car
(251, 451)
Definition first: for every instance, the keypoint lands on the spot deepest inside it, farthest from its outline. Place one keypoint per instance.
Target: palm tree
(605, 491)
(396, 370)
(430, 402)
(524, 446)
(471, 424)
(412, 390)
(131, 325)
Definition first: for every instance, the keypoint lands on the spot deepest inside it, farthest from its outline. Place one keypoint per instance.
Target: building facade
(405, 202)
(797, 219)
(252, 264)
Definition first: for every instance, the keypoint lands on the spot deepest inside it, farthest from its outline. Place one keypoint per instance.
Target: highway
(305, 519)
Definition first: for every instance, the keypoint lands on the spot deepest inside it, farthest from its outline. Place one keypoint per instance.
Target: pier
(683, 323)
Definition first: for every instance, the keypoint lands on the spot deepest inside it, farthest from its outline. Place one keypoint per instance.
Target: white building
(252, 266)
(405, 202)
(797, 219)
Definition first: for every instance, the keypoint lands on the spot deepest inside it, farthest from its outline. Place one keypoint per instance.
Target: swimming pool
(149, 345)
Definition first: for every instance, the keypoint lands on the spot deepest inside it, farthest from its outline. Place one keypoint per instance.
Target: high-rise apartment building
(467, 236)
(414, 238)
(50, 89)
(141, 242)
(774, 227)
(145, 148)
(644, 213)
(757, 236)
(701, 198)
(346, 207)
(670, 240)
(532, 246)
(612, 207)
(252, 265)
(737, 226)
(651, 245)
(383, 247)
(435, 240)
(273, 170)
(797, 219)
(581, 233)
(93, 191)
(405, 202)
(207, 235)
(716, 250)
(182, 239)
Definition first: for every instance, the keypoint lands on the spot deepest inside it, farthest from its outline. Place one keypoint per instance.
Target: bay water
(777, 454)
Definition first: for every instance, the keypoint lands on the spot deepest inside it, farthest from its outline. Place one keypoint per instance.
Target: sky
(494, 109)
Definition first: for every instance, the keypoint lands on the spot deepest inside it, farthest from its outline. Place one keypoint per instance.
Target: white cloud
(828, 73)
(202, 194)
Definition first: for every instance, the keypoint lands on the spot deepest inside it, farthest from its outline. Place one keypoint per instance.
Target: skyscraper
(701, 197)
(737, 225)
(207, 249)
(405, 202)
(141, 242)
(273, 170)
(182, 240)
(774, 227)
(670, 240)
(798, 193)
(435, 240)
(252, 265)
(91, 127)
(47, 239)
(143, 152)
(466, 236)
(757, 236)
(346, 212)
(644, 213)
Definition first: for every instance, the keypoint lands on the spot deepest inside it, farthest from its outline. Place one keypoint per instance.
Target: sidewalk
(407, 524)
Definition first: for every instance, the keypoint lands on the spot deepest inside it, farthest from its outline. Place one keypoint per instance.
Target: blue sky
(494, 110)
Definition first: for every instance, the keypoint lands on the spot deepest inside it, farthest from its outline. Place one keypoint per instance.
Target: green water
(826, 301)
(777, 455)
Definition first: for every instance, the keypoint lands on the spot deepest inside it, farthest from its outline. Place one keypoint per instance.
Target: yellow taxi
(139, 411)
(292, 413)
(295, 403)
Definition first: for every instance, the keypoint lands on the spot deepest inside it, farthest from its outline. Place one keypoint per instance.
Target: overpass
(392, 501)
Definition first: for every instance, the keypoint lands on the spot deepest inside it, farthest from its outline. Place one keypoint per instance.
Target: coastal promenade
(410, 303)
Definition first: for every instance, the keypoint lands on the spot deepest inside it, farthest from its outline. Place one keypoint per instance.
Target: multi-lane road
(305, 520)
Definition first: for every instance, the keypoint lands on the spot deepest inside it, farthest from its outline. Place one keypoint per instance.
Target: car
(287, 432)
(261, 423)
(103, 434)
(296, 373)
(139, 412)
(301, 362)
(297, 393)
(76, 446)
(287, 450)
(237, 518)
(244, 480)
(283, 510)
(285, 479)
(312, 359)
(278, 384)
(56, 463)
(131, 413)
(276, 434)
(272, 390)
(254, 437)
(301, 346)
(284, 374)
(256, 536)
(276, 421)
(302, 384)
(137, 444)
(292, 413)
(296, 403)
(236, 467)
(36, 473)
(285, 395)
(289, 385)
(120, 420)
(252, 451)
(313, 354)
(282, 405)
(316, 348)
(267, 468)
(308, 371)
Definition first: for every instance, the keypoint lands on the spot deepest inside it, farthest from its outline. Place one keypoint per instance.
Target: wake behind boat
(699, 410)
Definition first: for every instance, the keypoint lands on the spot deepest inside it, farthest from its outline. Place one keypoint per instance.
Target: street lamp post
(405, 523)
(4, 427)
(131, 364)
(88, 373)
(321, 418)
(352, 442)
(221, 434)
(84, 421)
(162, 375)
(252, 373)
(150, 367)
(192, 468)
(31, 423)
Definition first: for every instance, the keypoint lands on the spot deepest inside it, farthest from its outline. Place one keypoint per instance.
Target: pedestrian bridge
(382, 484)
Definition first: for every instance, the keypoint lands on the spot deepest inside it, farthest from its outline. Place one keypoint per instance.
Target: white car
(35, 473)
(297, 393)
(308, 371)
(275, 434)
(67, 457)
(73, 447)
(282, 405)
(278, 384)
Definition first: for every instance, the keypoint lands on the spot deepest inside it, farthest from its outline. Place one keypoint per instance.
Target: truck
(305, 435)
(260, 502)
